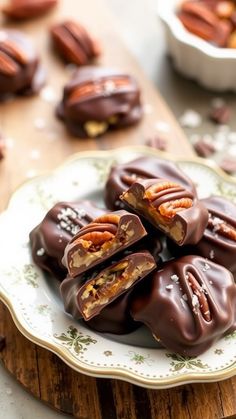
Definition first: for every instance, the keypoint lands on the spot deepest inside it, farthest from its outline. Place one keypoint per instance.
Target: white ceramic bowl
(213, 67)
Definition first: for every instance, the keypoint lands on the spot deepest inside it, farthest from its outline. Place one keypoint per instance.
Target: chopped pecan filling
(110, 283)
(199, 299)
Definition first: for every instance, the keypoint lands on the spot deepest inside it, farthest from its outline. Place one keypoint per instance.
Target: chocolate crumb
(160, 143)
(228, 165)
(204, 149)
(220, 114)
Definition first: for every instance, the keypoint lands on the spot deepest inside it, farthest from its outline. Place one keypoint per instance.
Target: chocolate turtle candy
(98, 99)
(187, 305)
(169, 207)
(122, 176)
(49, 239)
(20, 69)
(219, 239)
(104, 237)
(74, 43)
(89, 293)
(218, 242)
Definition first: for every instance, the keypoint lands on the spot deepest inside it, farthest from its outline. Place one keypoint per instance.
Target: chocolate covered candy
(105, 236)
(122, 176)
(218, 242)
(49, 239)
(169, 207)
(88, 294)
(188, 305)
(20, 69)
(219, 239)
(27, 9)
(97, 99)
(115, 317)
(74, 43)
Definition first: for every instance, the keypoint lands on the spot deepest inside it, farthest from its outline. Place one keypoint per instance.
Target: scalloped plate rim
(108, 372)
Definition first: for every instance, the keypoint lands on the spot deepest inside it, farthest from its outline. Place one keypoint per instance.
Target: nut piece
(7, 65)
(200, 302)
(74, 43)
(170, 209)
(220, 227)
(26, 9)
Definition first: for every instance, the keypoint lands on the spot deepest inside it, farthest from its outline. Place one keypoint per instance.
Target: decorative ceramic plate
(34, 301)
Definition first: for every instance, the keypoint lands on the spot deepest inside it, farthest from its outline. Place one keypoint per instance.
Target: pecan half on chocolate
(98, 99)
(26, 9)
(74, 43)
(20, 70)
(169, 207)
(102, 238)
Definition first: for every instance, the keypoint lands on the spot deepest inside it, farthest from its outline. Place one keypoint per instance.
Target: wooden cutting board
(31, 151)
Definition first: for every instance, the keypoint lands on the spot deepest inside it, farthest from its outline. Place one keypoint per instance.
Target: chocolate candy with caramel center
(169, 207)
(20, 70)
(104, 237)
(49, 239)
(89, 293)
(97, 99)
(188, 305)
(122, 176)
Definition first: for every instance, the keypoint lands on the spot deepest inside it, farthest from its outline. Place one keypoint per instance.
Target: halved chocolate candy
(97, 99)
(49, 239)
(169, 207)
(188, 305)
(105, 236)
(89, 293)
(122, 176)
(218, 242)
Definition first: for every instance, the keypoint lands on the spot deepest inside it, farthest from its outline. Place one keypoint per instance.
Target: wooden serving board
(31, 151)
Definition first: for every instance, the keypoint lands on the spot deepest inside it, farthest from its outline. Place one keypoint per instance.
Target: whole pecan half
(220, 227)
(74, 43)
(199, 300)
(26, 9)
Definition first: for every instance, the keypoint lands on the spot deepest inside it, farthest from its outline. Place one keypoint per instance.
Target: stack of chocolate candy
(115, 279)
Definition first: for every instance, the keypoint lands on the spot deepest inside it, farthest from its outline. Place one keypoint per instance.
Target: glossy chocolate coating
(123, 175)
(101, 239)
(169, 207)
(218, 242)
(219, 239)
(97, 99)
(89, 293)
(49, 239)
(187, 322)
(115, 318)
(20, 70)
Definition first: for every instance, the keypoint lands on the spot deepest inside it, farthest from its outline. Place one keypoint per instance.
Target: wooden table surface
(38, 370)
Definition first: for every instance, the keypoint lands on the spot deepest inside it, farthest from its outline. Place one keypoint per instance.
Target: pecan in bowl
(74, 43)
(98, 99)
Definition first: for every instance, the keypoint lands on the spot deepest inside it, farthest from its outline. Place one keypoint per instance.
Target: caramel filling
(109, 284)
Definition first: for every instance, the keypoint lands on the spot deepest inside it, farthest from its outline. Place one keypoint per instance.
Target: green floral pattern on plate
(75, 340)
(185, 362)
